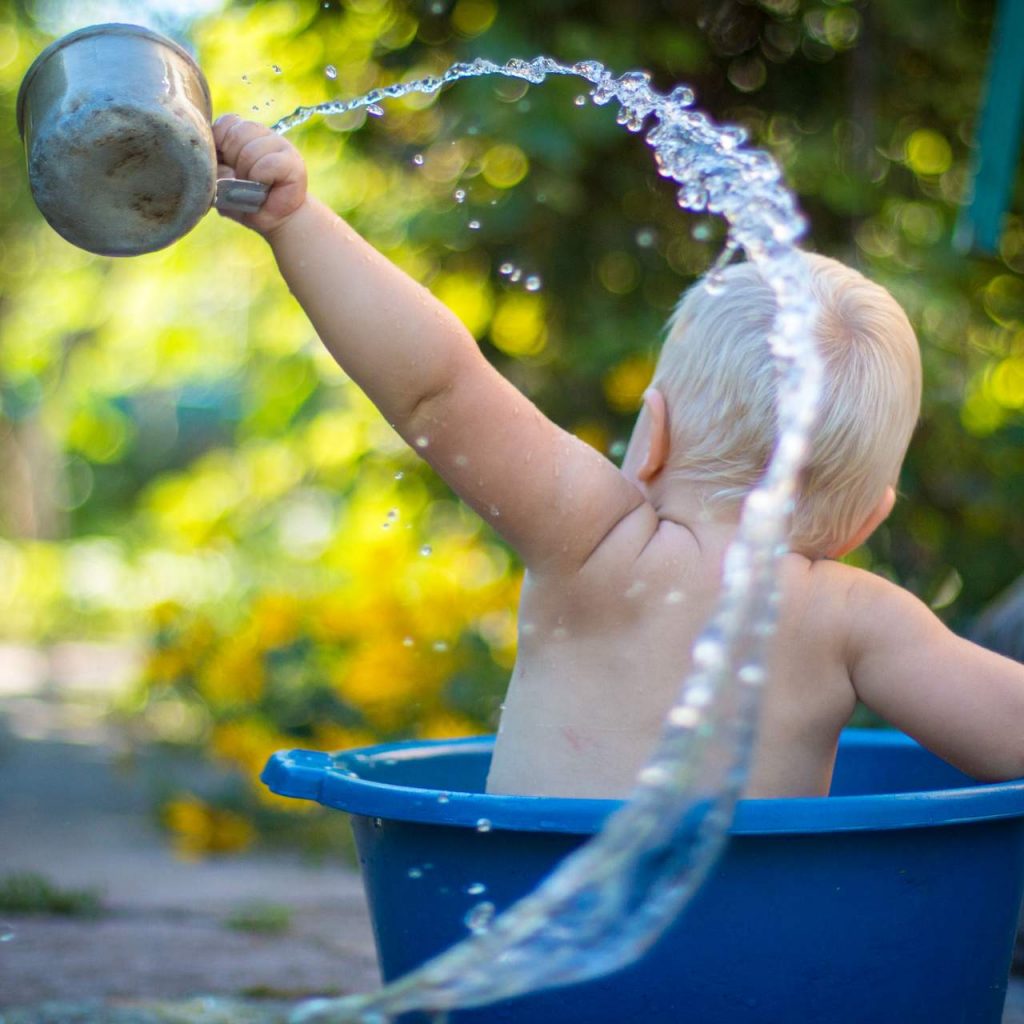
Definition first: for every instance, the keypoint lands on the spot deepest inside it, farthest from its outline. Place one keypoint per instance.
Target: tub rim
(334, 781)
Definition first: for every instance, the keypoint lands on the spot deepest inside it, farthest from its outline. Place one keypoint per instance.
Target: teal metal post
(998, 136)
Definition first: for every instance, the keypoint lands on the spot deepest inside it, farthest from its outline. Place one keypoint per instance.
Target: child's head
(717, 376)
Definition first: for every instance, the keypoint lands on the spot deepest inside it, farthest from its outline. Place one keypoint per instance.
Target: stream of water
(609, 901)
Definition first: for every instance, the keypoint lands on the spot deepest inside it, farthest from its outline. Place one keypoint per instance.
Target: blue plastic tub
(895, 899)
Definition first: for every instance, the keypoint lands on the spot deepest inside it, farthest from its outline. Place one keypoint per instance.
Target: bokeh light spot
(504, 165)
(927, 152)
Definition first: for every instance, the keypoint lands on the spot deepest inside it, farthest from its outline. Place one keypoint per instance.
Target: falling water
(608, 902)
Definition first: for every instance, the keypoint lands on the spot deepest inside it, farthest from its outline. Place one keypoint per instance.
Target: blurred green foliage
(29, 893)
(180, 458)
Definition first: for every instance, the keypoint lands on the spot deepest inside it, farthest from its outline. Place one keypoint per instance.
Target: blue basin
(894, 899)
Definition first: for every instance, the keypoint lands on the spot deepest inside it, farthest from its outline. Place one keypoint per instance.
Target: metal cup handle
(237, 195)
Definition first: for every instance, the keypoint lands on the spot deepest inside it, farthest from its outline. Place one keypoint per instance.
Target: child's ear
(656, 442)
(877, 516)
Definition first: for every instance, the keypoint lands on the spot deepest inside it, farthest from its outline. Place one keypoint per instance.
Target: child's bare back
(624, 565)
(602, 655)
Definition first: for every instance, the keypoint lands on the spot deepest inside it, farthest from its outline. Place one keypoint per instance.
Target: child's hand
(249, 150)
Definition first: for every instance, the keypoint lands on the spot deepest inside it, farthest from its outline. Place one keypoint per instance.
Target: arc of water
(608, 901)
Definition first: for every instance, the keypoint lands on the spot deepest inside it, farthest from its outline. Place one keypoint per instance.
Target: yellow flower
(165, 614)
(246, 743)
(164, 665)
(234, 674)
(200, 829)
(276, 620)
(445, 725)
(385, 678)
(332, 737)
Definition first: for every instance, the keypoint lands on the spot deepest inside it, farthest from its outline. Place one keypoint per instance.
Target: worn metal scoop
(116, 125)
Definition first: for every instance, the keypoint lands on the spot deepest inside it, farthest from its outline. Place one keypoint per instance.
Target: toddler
(623, 567)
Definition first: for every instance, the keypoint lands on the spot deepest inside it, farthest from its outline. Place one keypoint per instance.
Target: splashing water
(608, 901)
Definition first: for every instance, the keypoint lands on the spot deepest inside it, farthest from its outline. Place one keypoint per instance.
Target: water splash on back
(609, 901)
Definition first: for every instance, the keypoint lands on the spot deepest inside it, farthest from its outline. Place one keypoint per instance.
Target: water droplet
(617, 449)
(506, 268)
(474, 225)
(418, 159)
(375, 110)
(276, 68)
(459, 195)
(533, 283)
(752, 675)
(422, 441)
(415, 872)
(392, 513)
(440, 646)
(407, 641)
(443, 798)
(516, 275)
(646, 237)
(495, 511)
(580, 101)
(331, 71)
(378, 822)
(7, 932)
(437, 7)
(478, 919)
(426, 551)
(654, 775)
(684, 717)
(476, 889)
(399, 475)
(702, 232)
(483, 825)
(714, 284)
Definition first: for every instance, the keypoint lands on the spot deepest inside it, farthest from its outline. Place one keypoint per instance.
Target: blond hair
(718, 378)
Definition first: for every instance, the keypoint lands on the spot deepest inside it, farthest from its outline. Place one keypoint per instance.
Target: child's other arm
(552, 496)
(961, 701)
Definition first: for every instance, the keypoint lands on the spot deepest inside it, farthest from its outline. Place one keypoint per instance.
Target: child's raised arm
(961, 701)
(550, 495)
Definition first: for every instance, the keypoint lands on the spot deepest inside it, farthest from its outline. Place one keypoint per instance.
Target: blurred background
(210, 543)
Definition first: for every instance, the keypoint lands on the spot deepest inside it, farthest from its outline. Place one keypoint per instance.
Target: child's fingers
(255, 150)
(276, 168)
(232, 134)
(221, 127)
(249, 150)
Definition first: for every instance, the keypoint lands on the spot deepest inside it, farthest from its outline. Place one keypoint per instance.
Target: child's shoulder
(846, 588)
(860, 604)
